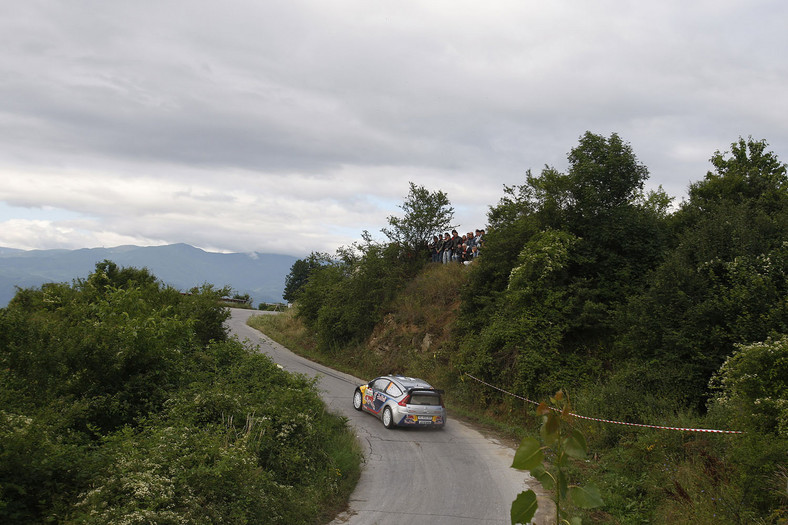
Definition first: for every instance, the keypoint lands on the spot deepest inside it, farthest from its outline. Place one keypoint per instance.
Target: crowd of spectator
(454, 248)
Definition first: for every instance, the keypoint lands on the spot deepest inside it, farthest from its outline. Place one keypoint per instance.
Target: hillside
(260, 275)
(667, 328)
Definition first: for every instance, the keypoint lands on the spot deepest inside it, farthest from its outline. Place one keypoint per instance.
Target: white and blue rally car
(401, 401)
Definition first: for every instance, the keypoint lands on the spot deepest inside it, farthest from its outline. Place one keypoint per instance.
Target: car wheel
(388, 419)
(357, 400)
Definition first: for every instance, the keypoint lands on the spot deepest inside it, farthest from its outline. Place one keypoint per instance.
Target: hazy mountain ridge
(182, 266)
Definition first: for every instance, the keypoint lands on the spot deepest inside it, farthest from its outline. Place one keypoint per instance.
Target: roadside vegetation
(124, 401)
(640, 309)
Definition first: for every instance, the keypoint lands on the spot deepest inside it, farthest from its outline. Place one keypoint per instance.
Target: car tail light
(405, 401)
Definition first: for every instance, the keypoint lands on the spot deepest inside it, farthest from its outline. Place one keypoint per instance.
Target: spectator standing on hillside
(478, 239)
(467, 246)
(446, 246)
(456, 242)
(471, 242)
(435, 248)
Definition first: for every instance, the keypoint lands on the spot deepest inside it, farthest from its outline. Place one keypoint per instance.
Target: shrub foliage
(123, 401)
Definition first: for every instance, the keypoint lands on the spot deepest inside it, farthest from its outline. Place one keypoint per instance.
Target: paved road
(411, 476)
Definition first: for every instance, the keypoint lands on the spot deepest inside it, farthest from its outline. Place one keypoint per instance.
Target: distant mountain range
(261, 275)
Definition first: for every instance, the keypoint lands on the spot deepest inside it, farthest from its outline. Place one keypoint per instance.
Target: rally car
(401, 401)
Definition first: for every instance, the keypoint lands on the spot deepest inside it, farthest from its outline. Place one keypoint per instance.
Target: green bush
(124, 402)
(342, 301)
(752, 387)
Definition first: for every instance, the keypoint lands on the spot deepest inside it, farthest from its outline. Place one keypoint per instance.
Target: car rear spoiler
(427, 390)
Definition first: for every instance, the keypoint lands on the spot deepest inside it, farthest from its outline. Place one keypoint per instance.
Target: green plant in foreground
(564, 442)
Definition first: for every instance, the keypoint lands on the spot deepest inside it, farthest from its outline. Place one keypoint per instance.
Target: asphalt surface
(453, 476)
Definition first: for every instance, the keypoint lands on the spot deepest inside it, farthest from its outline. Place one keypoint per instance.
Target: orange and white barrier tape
(708, 430)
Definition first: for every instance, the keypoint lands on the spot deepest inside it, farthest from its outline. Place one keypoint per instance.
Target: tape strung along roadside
(707, 430)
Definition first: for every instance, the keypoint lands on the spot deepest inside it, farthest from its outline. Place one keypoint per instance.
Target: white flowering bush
(753, 385)
(541, 260)
(182, 475)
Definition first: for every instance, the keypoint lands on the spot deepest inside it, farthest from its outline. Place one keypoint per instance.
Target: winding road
(410, 476)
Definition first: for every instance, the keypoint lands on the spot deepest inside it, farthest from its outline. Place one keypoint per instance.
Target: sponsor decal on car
(422, 420)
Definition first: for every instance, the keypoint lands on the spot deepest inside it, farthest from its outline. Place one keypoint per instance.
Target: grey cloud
(304, 103)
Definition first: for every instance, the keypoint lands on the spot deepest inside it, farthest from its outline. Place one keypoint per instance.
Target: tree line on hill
(592, 285)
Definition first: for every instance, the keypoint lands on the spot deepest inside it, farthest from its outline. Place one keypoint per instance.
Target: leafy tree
(604, 174)
(107, 273)
(300, 272)
(724, 282)
(623, 236)
(343, 300)
(426, 213)
(523, 343)
(317, 289)
(748, 173)
(511, 224)
(599, 200)
(203, 305)
(566, 311)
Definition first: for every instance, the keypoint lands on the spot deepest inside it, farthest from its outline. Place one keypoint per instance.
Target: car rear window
(425, 399)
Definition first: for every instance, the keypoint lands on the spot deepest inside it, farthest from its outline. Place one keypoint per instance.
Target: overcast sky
(292, 126)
